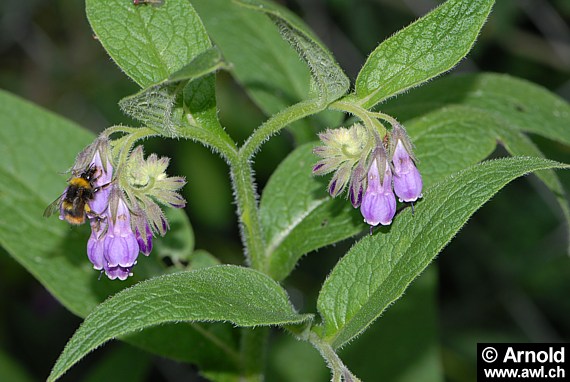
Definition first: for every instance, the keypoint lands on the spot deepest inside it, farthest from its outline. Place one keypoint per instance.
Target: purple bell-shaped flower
(379, 203)
(121, 246)
(407, 179)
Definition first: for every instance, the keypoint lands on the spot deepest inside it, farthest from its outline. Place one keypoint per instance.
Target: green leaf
(202, 259)
(298, 215)
(378, 269)
(213, 347)
(201, 110)
(330, 82)
(205, 63)
(414, 325)
(239, 295)
(526, 106)
(12, 371)
(261, 61)
(111, 367)
(149, 43)
(449, 140)
(430, 46)
(155, 106)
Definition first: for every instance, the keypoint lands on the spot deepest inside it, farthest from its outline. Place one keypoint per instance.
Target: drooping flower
(407, 179)
(96, 244)
(112, 246)
(121, 248)
(379, 203)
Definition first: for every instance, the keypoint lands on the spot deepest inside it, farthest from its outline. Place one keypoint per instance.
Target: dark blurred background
(506, 276)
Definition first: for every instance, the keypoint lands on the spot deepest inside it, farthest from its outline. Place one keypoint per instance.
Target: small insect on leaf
(148, 2)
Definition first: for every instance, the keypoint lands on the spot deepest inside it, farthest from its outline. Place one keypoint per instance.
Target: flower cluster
(123, 212)
(375, 169)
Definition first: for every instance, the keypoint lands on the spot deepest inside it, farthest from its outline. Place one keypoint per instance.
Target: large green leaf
(262, 62)
(298, 215)
(225, 293)
(430, 46)
(149, 43)
(449, 140)
(526, 106)
(377, 270)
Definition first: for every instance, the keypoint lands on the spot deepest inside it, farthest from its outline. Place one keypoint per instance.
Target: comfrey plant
(414, 187)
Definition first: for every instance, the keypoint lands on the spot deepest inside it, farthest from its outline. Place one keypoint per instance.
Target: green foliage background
(504, 278)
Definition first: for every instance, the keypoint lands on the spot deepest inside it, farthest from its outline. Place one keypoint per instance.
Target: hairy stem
(225, 147)
(248, 213)
(244, 184)
(339, 371)
(253, 352)
(276, 123)
(364, 115)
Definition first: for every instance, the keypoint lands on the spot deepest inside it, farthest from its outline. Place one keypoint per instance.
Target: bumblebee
(74, 202)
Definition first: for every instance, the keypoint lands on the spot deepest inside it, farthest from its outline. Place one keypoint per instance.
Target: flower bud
(96, 245)
(339, 180)
(357, 185)
(407, 179)
(144, 240)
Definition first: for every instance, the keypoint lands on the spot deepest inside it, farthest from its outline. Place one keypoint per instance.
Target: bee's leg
(92, 214)
(96, 189)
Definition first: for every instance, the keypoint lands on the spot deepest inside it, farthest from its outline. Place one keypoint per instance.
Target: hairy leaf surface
(430, 46)
(225, 293)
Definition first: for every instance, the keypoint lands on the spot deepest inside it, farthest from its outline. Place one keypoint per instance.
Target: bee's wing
(53, 207)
